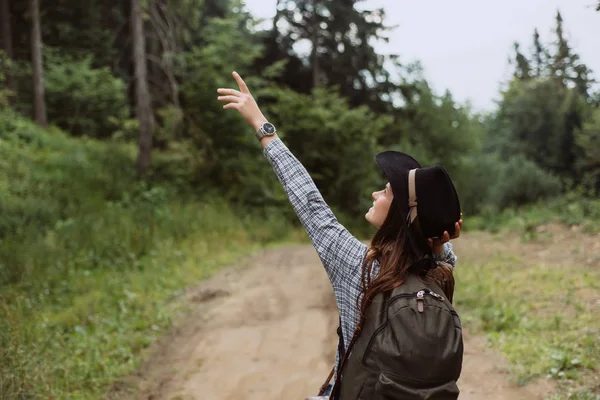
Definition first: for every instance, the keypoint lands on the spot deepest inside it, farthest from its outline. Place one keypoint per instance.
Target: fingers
(231, 105)
(231, 92)
(457, 229)
(439, 240)
(241, 83)
(231, 99)
(456, 233)
(446, 237)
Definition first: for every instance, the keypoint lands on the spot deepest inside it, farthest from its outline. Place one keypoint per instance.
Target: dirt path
(267, 331)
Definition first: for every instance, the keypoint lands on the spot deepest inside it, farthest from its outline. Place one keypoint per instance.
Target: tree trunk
(7, 41)
(315, 64)
(315, 49)
(6, 31)
(37, 65)
(142, 96)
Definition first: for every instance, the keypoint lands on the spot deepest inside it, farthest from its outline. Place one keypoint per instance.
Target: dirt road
(266, 330)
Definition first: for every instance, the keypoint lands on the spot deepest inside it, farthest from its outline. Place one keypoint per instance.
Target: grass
(543, 318)
(76, 334)
(573, 208)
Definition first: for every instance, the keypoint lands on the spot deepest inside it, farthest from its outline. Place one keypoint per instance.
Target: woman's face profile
(381, 205)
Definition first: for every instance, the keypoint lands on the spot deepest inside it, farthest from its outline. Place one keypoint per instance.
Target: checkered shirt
(341, 253)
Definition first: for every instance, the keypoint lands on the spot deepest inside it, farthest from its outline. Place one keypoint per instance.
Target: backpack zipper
(420, 295)
(368, 349)
(420, 301)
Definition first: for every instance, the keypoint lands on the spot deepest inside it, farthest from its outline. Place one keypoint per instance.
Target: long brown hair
(392, 248)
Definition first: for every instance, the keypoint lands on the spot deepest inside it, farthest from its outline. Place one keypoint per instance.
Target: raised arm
(340, 252)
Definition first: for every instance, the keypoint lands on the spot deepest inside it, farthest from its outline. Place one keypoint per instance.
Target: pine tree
(341, 47)
(523, 69)
(562, 58)
(566, 66)
(539, 54)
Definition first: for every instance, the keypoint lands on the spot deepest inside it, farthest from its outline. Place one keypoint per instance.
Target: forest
(116, 158)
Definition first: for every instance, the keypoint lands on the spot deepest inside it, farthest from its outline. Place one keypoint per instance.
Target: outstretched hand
(437, 244)
(242, 101)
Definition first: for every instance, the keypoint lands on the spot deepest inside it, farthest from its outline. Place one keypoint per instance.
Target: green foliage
(475, 184)
(82, 99)
(47, 176)
(588, 140)
(532, 125)
(226, 145)
(575, 208)
(315, 125)
(545, 107)
(519, 182)
(545, 114)
(342, 39)
(441, 131)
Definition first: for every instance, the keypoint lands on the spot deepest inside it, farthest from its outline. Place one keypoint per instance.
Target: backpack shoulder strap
(341, 354)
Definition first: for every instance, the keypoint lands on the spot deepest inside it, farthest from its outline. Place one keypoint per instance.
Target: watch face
(268, 128)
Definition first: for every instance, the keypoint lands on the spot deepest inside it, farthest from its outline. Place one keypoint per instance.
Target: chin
(369, 219)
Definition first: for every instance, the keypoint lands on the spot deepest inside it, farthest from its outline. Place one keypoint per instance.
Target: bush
(479, 174)
(46, 177)
(588, 141)
(520, 182)
(83, 100)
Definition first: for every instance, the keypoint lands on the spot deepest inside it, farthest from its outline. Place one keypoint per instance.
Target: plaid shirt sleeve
(328, 236)
(339, 251)
(448, 255)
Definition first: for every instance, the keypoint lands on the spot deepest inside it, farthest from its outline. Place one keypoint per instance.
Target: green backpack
(410, 347)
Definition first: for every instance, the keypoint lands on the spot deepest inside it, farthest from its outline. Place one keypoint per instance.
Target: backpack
(410, 347)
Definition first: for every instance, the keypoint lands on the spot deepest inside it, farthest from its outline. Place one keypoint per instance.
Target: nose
(375, 195)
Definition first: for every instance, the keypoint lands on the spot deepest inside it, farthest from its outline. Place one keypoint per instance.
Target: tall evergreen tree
(539, 55)
(341, 39)
(561, 60)
(566, 66)
(523, 69)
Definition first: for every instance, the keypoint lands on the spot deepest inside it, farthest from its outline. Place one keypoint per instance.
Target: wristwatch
(266, 129)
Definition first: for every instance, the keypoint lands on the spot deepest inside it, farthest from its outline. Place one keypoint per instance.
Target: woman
(357, 272)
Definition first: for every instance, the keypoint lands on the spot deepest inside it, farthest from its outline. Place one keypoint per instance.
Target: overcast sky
(463, 45)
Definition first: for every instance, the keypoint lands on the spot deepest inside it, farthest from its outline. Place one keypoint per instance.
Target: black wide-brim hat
(438, 206)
